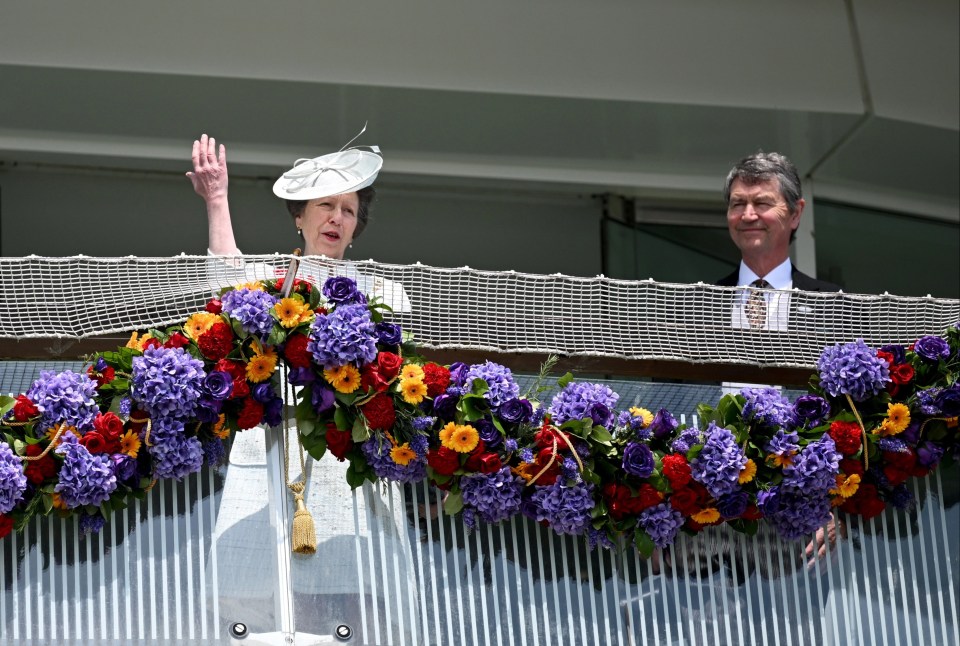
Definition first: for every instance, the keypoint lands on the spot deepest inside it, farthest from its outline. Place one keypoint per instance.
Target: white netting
(471, 309)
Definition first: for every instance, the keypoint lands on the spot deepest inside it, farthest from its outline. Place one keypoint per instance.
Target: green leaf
(354, 477)
(276, 336)
(360, 432)
(564, 380)
(453, 503)
(473, 407)
(315, 445)
(601, 435)
(6, 403)
(644, 544)
(340, 418)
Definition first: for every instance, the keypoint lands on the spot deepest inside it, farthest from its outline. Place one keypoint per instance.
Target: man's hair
(365, 197)
(762, 167)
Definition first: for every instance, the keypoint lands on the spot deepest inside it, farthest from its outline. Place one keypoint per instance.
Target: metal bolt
(343, 632)
(238, 630)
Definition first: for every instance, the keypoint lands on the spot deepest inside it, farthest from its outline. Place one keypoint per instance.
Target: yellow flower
(255, 285)
(463, 438)
(58, 502)
(846, 486)
(220, 429)
(643, 413)
(446, 432)
(52, 431)
(132, 342)
(142, 344)
(777, 460)
(748, 472)
(289, 311)
(130, 444)
(199, 323)
(413, 390)
(262, 365)
(137, 342)
(344, 379)
(412, 371)
(898, 419)
(706, 516)
(403, 454)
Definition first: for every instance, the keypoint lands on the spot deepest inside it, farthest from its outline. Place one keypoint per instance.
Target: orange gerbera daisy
(261, 365)
(344, 379)
(220, 429)
(644, 414)
(289, 311)
(130, 443)
(199, 323)
(898, 419)
(412, 371)
(403, 454)
(706, 516)
(748, 472)
(413, 390)
(846, 485)
(463, 439)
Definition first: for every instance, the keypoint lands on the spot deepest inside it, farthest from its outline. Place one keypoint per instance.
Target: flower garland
(162, 406)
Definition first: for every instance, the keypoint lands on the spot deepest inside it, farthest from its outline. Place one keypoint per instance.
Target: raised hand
(209, 175)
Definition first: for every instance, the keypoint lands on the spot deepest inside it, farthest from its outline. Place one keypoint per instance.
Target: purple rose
(124, 467)
(601, 414)
(769, 501)
(388, 333)
(911, 435)
(445, 406)
(323, 399)
(929, 454)
(301, 376)
(932, 348)
(516, 411)
(663, 425)
(638, 460)
(218, 385)
(273, 412)
(948, 401)
(811, 410)
(209, 410)
(488, 433)
(340, 290)
(732, 505)
(263, 393)
(898, 352)
(100, 365)
(458, 373)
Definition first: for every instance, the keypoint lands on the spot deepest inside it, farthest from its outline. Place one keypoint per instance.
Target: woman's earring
(300, 232)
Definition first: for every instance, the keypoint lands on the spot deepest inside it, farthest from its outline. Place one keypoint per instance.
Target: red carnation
(898, 466)
(443, 461)
(250, 414)
(295, 351)
(102, 377)
(846, 435)
(379, 412)
(24, 409)
(676, 469)
(388, 365)
(176, 340)
(214, 306)
(339, 442)
(217, 342)
(39, 470)
(94, 441)
(437, 379)
(484, 463)
(901, 373)
(6, 525)
(851, 467)
(865, 502)
(152, 342)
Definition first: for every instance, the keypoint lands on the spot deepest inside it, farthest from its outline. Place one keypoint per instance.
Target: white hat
(346, 171)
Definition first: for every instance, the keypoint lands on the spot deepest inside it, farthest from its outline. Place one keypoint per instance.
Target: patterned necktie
(756, 307)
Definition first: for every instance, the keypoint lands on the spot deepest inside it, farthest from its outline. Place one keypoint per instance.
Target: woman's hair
(365, 197)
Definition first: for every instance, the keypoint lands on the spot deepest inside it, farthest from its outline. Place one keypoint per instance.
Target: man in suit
(764, 206)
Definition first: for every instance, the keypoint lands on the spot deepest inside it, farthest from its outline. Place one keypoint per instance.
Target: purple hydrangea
(852, 369)
(341, 290)
(252, 308)
(719, 463)
(13, 482)
(794, 514)
(423, 423)
(632, 426)
(662, 523)
(810, 410)
(64, 397)
(584, 400)
(815, 468)
(494, 496)
(638, 459)
(566, 508)
(783, 444)
(377, 451)
(85, 479)
(598, 538)
(570, 470)
(420, 445)
(526, 455)
(927, 401)
(893, 445)
(167, 382)
(126, 407)
(346, 335)
(214, 453)
(688, 438)
(932, 348)
(502, 386)
(767, 407)
(91, 523)
(174, 454)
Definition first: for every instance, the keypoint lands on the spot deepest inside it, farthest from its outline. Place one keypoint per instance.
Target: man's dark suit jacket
(800, 281)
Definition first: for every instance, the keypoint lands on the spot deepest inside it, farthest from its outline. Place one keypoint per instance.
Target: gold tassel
(304, 536)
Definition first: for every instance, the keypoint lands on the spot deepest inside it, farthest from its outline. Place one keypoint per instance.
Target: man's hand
(209, 175)
(817, 549)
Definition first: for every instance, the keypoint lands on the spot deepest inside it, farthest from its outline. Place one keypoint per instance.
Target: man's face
(759, 221)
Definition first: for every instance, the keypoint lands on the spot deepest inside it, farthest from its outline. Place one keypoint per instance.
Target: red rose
(886, 356)
(901, 373)
(484, 463)
(846, 435)
(899, 466)
(94, 442)
(371, 379)
(443, 461)
(238, 371)
(214, 306)
(865, 502)
(102, 377)
(295, 351)
(389, 364)
(176, 340)
(24, 409)
(151, 343)
(250, 414)
(6, 525)
(676, 469)
(110, 427)
(649, 496)
(338, 442)
(379, 412)
(686, 501)
(39, 470)
(752, 513)
(437, 379)
(545, 438)
(217, 342)
(550, 475)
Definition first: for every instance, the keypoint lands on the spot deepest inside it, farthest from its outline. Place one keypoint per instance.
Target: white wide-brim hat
(346, 171)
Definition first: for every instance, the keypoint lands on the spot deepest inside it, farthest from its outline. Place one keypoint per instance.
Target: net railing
(464, 308)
